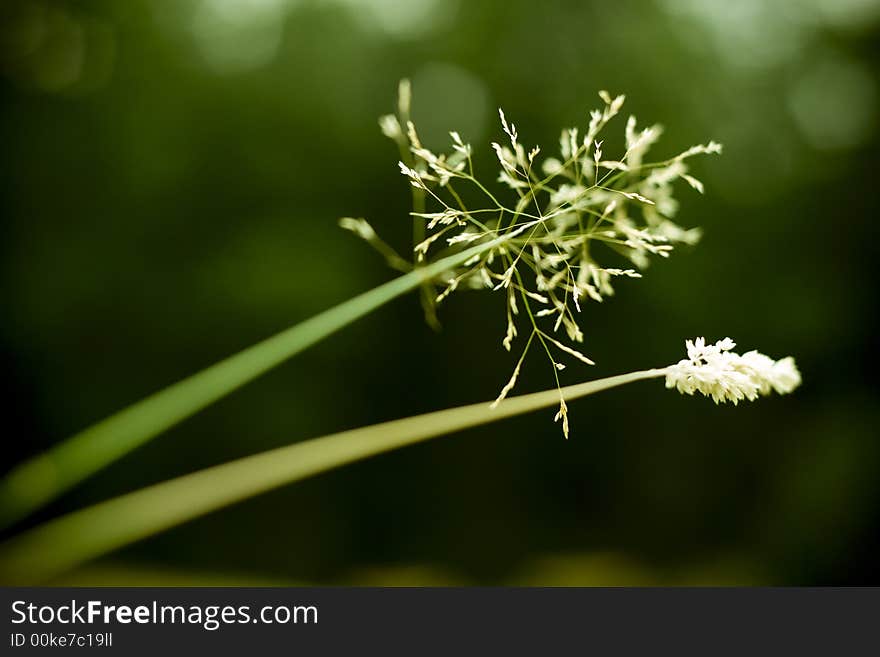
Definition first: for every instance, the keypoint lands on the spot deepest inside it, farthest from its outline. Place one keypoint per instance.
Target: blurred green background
(172, 175)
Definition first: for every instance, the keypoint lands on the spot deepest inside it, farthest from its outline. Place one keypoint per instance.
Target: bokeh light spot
(834, 104)
(238, 35)
(448, 95)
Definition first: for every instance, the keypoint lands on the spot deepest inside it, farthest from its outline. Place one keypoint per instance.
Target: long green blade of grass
(38, 481)
(63, 543)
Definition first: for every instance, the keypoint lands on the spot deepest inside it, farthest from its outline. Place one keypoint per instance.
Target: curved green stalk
(70, 540)
(38, 481)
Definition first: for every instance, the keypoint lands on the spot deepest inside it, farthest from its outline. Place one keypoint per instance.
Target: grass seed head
(557, 239)
(716, 371)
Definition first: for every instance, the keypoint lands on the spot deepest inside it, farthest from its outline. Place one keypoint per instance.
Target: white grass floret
(716, 371)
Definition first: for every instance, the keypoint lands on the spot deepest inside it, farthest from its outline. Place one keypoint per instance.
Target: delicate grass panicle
(561, 210)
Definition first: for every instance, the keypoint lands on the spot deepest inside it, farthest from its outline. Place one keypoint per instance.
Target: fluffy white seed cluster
(717, 372)
(561, 218)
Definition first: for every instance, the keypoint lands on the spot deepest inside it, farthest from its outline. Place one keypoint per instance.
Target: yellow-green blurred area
(172, 173)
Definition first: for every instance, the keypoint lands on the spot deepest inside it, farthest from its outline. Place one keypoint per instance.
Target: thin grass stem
(36, 482)
(61, 544)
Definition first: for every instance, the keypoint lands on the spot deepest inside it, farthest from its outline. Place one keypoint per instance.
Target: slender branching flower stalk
(565, 215)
